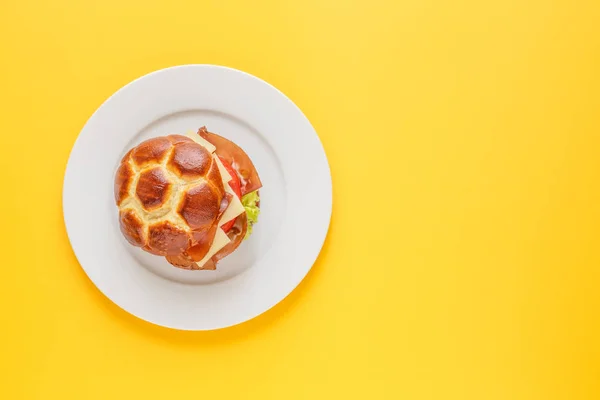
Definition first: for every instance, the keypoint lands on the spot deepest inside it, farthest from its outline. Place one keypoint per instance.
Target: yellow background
(475, 124)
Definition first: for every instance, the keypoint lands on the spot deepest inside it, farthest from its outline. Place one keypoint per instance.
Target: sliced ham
(236, 235)
(236, 157)
(184, 262)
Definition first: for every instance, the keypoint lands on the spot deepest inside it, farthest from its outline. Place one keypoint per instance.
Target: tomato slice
(236, 186)
(235, 179)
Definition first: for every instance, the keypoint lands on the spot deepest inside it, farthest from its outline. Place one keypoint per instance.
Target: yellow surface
(483, 284)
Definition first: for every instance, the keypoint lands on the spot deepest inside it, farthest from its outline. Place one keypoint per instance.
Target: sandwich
(189, 198)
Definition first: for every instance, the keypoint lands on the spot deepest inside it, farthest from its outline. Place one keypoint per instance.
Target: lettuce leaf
(250, 201)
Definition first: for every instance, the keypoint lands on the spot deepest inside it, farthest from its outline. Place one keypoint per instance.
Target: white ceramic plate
(295, 199)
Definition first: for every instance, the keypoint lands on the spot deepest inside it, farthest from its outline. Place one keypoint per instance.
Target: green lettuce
(250, 203)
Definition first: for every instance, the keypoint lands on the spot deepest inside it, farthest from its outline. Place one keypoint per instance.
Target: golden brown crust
(179, 139)
(132, 227)
(190, 160)
(167, 239)
(200, 206)
(123, 180)
(153, 188)
(151, 151)
(170, 196)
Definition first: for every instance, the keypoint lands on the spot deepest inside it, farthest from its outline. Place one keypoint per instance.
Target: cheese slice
(221, 240)
(201, 141)
(234, 208)
(222, 170)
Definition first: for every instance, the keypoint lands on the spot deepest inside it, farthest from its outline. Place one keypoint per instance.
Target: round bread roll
(170, 196)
